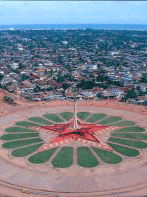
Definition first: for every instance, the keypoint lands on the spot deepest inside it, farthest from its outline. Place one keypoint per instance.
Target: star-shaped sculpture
(85, 133)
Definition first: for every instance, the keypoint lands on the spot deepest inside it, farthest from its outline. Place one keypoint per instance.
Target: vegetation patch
(19, 143)
(108, 157)
(26, 124)
(67, 115)
(8, 99)
(124, 123)
(131, 129)
(110, 120)
(130, 152)
(18, 136)
(40, 120)
(82, 115)
(42, 157)
(96, 117)
(22, 152)
(138, 136)
(53, 117)
(64, 158)
(86, 157)
(133, 143)
(17, 130)
(25, 141)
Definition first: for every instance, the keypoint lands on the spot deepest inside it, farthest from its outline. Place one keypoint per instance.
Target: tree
(68, 67)
(102, 78)
(139, 90)
(123, 99)
(65, 86)
(9, 66)
(49, 88)
(35, 65)
(1, 77)
(91, 76)
(37, 56)
(9, 83)
(24, 77)
(20, 66)
(131, 94)
(85, 84)
(60, 59)
(99, 95)
(144, 78)
(15, 70)
(60, 79)
(37, 89)
(8, 99)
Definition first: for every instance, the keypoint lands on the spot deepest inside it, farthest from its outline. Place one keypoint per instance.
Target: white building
(117, 92)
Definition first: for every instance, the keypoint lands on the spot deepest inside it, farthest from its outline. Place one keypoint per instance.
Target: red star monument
(74, 130)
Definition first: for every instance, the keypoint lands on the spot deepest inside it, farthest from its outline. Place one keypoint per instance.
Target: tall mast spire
(75, 114)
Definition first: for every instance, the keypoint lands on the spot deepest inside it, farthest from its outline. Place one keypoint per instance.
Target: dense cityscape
(57, 64)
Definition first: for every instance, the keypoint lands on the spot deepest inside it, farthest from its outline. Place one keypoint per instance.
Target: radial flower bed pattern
(59, 140)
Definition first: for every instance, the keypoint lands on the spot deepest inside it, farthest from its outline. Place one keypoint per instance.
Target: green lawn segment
(42, 157)
(18, 136)
(64, 158)
(19, 143)
(135, 144)
(86, 157)
(108, 157)
(40, 120)
(26, 124)
(130, 129)
(124, 123)
(53, 117)
(110, 120)
(18, 129)
(82, 115)
(21, 152)
(67, 115)
(130, 152)
(137, 136)
(96, 117)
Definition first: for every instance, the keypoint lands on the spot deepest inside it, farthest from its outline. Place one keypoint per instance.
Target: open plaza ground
(74, 168)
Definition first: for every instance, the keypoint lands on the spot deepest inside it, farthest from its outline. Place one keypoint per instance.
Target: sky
(73, 12)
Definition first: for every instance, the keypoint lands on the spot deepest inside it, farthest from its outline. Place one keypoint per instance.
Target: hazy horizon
(73, 24)
(73, 12)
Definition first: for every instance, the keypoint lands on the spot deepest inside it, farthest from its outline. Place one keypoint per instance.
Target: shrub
(8, 99)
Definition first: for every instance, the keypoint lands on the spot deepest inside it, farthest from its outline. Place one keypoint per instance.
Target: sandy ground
(22, 103)
(127, 179)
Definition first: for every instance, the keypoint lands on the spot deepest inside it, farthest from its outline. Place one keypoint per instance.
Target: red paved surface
(66, 133)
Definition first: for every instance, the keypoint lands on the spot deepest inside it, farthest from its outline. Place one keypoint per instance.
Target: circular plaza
(56, 151)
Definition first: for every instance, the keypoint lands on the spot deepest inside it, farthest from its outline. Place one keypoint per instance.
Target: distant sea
(140, 27)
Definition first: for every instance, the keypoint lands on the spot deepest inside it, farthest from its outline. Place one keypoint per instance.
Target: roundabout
(58, 151)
